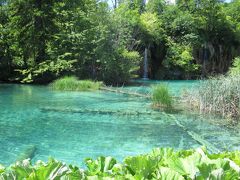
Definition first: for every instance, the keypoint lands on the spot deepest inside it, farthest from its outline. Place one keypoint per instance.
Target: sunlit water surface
(71, 126)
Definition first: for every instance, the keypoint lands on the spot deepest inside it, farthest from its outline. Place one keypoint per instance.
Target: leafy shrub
(219, 95)
(130, 66)
(161, 96)
(161, 163)
(121, 67)
(73, 84)
(151, 27)
(45, 71)
(180, 57)
(235, 70)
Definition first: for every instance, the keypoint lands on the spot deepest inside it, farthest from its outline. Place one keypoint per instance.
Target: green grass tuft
(71, 83)
(161, 96)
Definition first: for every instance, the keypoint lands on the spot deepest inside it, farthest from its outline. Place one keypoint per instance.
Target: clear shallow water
(176, 87)
(71, 126)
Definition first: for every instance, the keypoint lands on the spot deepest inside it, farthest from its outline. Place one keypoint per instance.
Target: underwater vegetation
(160, 163)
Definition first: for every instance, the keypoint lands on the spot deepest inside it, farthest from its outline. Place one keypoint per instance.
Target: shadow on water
(27, 153)
(168, 110)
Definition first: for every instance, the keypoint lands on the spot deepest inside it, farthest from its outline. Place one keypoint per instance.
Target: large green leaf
(2, 169)
(161, 164)
(21, 169)
(162, 154)
(216, 169)
(141, 167)
(103, 165)
(217, 174)
(168, 174)
(234, 156)
(74, 173)
(52, 170)
(186, 166)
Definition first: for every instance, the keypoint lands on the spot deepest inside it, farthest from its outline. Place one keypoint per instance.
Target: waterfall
(145, 65)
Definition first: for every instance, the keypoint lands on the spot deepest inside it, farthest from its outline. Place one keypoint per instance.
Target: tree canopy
(43, 40)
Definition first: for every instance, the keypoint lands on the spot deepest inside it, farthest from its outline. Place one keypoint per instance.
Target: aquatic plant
(71, 83)
(220, 95)
(160, 163)
(161, 96)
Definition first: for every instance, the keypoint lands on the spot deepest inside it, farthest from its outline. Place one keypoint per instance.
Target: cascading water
(145, 65)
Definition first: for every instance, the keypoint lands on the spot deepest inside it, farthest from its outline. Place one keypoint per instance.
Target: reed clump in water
(71, 83)
(220, 95)
(161, 96)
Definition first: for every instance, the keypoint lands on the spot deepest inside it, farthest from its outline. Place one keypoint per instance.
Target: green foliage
(29, 33)
(41, 41)
(181, 57)
(88, 40)
(161, 96)
(161, 163)
(103, 166)
(130, 61)
(165, 173)
(5, 57)
(46, 70)
(156, 6)
(234, 156)
(184, 29)
(51, 170)
(122, 60)
(151, 28)
(235, 69)
(73, 84)
(142, 166)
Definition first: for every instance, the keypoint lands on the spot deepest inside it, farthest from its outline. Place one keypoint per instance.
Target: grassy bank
(164, 163)
(73, 84)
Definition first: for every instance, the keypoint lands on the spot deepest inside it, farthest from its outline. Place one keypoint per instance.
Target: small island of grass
(72, 83)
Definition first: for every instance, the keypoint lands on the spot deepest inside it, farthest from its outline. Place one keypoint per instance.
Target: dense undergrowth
(162, 163)
(73, 84)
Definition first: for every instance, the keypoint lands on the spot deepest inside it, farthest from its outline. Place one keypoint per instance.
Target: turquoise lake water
(71, 126)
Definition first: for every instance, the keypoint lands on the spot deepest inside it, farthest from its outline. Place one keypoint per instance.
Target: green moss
(73, 84)
(161, 96)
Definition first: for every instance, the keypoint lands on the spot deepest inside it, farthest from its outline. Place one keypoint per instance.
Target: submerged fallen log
(99, 111)
(116, 90)
(130, 93)
(28, 153)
